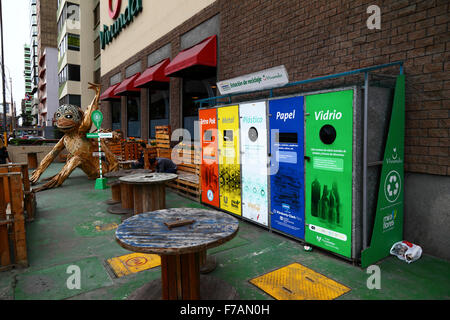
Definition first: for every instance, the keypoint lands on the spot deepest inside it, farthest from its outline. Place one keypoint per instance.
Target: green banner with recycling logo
(388, 225)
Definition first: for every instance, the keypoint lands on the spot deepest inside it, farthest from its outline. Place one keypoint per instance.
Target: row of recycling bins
(284, 163)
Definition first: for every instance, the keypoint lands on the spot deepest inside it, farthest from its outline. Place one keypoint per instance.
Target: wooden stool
(32, 160)
(149, 190)
(126, 198)
(115, 192)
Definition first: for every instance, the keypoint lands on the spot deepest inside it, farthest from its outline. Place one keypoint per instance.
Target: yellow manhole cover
(106, 227)
(296, 282)
(133, 263)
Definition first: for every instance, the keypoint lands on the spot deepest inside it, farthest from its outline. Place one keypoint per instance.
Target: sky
(16, 33)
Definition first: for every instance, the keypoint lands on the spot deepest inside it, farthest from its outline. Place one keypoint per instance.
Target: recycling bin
(229, 159)
(329, 170)
(210, 160)
(334, 166)
(254, 160)
(287, 210)
(325, 167)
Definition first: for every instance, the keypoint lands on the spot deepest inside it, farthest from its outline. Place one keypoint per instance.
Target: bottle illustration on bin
(325, 203)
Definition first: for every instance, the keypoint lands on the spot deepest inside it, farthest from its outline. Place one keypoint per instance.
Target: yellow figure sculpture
(75, 124)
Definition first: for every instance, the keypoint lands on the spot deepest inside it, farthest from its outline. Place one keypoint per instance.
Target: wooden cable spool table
(178, 235)
(149, 190)
(122, 194)
(126, 164)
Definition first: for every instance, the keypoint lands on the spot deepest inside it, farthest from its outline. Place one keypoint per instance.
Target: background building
(310, 39)
(48, 89)
(47, 64)
(34, 101)
(76, 28)
(28, 75)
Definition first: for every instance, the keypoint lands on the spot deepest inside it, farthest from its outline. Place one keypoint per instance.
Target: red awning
(109, 93)
(153, 75)
(127, 86)
(195, 62)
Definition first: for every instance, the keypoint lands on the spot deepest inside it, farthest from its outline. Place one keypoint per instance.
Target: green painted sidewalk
(64, 234)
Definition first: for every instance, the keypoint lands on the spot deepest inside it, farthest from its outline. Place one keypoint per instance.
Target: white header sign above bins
(266, 79)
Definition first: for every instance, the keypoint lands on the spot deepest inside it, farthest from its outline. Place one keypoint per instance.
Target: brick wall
(316, 38)
(319, 37)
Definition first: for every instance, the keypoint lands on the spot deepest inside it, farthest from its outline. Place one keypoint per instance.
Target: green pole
(100, 158)
(97, 118)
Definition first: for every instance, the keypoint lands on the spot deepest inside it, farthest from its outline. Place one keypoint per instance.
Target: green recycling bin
(336, 218)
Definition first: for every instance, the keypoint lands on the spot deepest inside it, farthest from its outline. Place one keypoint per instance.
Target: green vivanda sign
(123, 20)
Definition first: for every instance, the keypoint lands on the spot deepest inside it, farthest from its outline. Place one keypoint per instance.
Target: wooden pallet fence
(163, 137)
(132, 151)
(29, 196)
(117, 148)
(164, 153)
(186, 185)
(163, 130)
(188, 169)
(188, 153)
(12, 223)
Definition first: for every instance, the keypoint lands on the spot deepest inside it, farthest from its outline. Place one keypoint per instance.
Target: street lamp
(3, 70)
(13, 111)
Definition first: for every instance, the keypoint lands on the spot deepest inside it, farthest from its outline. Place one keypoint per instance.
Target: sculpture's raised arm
(86, 124)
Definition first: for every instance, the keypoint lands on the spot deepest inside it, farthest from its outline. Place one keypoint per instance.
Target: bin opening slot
(228, 135)
(286, 137)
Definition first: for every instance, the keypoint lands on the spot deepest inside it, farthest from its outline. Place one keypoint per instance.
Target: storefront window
(115, 110)
(133, 116)
(158, 109)
(194, 90)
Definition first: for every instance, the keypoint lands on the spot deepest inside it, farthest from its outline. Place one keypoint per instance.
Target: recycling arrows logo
(392, 186)
(210, 195)
(394, 155)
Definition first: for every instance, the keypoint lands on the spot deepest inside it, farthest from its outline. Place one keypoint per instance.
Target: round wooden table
(122, 194)
(179, 247)
(149, 190)
(126, 164)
